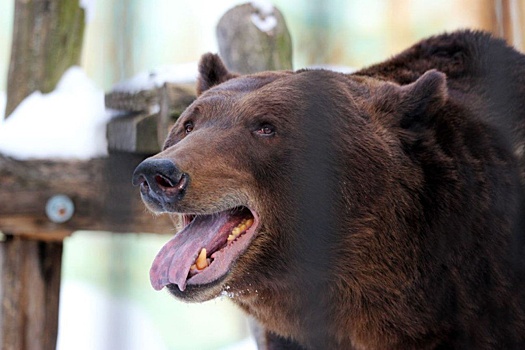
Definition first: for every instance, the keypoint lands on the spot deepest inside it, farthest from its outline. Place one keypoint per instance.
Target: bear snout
(161, 182)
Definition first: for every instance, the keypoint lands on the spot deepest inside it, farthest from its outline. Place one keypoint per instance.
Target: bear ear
(415, 103)
(423, 97)
(212, 71)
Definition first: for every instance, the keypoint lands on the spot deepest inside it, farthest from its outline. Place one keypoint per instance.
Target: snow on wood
(68, 123)
(264, 7)
(265, 24)
(179, 73)
(264, 18)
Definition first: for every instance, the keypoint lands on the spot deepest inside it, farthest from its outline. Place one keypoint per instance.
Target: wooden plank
(147, 100)
(174, 99)
(132, 101)
(136, 133)
(100, 189)
(141, 131)
(30, 288)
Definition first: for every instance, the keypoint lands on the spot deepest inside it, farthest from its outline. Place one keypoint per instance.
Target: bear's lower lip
(224, 236)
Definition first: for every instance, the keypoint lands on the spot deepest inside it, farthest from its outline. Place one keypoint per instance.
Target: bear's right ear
(212, 71)
(415, 103)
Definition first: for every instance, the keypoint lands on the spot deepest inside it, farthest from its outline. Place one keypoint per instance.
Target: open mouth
(205, 249)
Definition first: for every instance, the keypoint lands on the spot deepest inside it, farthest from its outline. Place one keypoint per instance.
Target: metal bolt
(60, 208)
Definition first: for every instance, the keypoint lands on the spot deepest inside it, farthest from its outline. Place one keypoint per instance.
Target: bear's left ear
(415, 103)
(212, 71)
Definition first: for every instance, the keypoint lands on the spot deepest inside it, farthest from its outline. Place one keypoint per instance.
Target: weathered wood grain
(100, 189)
(30, 293)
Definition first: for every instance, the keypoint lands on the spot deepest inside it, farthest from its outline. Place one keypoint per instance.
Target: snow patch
(265, 24)
(180, 73)
(264, 7)
(263, 18)
(89, 7)
(67, 123)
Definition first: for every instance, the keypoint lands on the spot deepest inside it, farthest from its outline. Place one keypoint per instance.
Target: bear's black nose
(160, 180)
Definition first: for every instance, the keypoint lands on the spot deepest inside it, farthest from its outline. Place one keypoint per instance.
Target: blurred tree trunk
(47, 40)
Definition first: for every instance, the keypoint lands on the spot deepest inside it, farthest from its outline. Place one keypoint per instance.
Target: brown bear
(376, 210)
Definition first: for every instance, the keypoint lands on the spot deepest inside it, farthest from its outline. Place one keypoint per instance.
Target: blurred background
(106, 299)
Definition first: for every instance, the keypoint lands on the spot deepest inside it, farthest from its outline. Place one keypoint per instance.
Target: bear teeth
(201, 262)
(244, 225)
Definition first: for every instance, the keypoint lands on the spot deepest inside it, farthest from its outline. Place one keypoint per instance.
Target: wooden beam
(100, 190)
(148, 100)
(149, 115)
(132, 101)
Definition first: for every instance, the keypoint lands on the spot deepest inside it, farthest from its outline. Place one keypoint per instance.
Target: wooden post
(47, 40)
(31, 287)
(253, 39)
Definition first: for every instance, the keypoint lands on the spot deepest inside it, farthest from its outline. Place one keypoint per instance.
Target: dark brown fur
(390, 199)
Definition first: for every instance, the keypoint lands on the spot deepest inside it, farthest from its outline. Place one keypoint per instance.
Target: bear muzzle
(161, 183)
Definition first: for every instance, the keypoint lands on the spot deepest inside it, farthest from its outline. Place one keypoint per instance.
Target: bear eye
(266, 130)
(188, 127)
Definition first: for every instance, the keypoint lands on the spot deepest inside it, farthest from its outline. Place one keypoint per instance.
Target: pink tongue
(172, 264)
